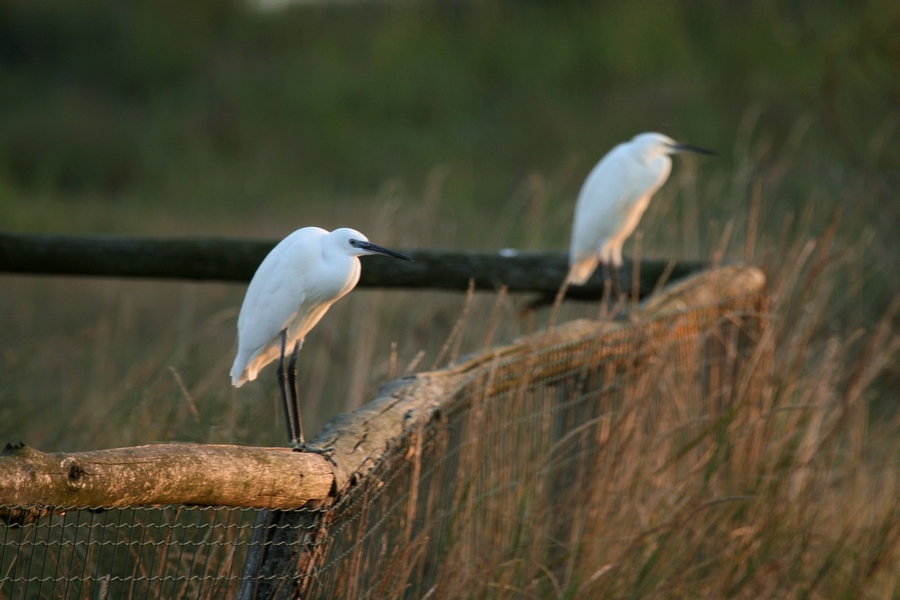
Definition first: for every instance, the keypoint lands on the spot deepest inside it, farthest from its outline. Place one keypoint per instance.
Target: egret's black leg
(616, 284)
(281, 386)
(298, 440)
(295, 402)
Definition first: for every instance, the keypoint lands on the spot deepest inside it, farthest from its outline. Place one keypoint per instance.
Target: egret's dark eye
(353, 242)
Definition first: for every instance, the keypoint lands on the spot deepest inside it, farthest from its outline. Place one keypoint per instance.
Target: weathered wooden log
(200, 474)
(210, 259)
(281, 479)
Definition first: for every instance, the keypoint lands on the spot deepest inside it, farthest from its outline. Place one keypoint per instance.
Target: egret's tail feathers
(240, 374)
(581, 271)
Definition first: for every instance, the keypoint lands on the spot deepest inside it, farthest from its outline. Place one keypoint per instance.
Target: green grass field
(452, 124)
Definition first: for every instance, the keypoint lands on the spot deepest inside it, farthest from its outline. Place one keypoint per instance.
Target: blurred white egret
(613, 199)
(292, 289)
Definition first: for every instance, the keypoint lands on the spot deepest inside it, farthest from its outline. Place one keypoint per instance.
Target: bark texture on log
(236, 260)
(198, 474)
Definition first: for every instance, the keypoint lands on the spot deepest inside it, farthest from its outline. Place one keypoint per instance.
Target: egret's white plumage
(613, 199)
(292, 289)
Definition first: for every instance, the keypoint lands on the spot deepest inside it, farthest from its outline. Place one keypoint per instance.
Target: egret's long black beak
(694, 149)
(371, 248)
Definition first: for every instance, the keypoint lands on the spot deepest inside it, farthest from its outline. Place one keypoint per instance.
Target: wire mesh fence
(527, 453)
(146, 552)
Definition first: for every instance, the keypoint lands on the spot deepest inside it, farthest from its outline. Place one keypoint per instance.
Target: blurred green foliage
(217, 102)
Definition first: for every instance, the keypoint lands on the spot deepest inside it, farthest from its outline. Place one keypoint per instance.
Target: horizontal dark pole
(217, 259)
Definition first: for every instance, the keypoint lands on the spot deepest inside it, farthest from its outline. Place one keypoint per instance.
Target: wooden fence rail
(235, 260)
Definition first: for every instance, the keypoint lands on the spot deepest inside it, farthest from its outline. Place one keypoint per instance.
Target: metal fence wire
(523, 455)
(146, 552)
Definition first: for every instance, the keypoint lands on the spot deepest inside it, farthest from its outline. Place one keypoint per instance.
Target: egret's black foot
(305, 447)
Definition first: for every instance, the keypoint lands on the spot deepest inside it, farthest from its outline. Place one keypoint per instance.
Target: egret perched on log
(613, 199)
(292, 289)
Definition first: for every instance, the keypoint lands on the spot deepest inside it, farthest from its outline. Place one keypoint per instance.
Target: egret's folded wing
(276, 292)
(598, 211)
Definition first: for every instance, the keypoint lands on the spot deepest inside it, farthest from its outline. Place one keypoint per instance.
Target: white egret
(292, 289)
(613, 199)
